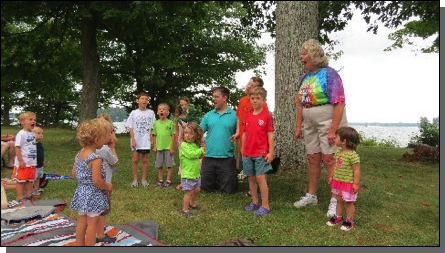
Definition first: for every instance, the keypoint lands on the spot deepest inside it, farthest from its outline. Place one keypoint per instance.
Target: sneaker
(347, 225)
(167, 184)
(306, 200)
(196, 207)
(106, 239)
(187, 214)
(159, 183)
(332, 209)
(144, 183)
(251, 207)
(262, 211)
(134, 184)
(334, 221)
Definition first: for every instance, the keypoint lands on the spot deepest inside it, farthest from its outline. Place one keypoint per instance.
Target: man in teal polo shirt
(219, 162)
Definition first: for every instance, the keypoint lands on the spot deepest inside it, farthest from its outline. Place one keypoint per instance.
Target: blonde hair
(89, 130)
(258, 80)
(37, 130)
(316, 52)
(196, 130)
(259, 91)
(164, 104)
(105, 117)
(25, 115)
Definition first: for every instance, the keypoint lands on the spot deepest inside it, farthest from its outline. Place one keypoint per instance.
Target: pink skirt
(341, 186)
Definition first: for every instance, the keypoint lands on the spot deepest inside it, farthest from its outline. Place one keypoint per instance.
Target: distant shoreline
(384, 124)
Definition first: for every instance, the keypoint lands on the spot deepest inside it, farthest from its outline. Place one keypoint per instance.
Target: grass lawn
(398, 206)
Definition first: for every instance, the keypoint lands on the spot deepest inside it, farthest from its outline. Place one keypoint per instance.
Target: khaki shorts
(316, 123)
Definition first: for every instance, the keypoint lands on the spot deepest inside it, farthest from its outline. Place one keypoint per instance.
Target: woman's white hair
(316, 52)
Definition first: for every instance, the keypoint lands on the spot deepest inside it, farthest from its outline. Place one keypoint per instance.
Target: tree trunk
(5, 112)
(90, 60)
(296, 22)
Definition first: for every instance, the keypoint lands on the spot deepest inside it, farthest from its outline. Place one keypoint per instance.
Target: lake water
(399, 135)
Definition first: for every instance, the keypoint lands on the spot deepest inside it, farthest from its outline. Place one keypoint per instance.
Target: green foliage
(168, 48)
(429, 133)
(373, 142)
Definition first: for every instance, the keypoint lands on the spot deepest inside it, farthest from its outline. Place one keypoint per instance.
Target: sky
(387, 87)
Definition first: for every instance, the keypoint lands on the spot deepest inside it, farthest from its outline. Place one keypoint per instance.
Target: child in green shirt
(190, 152)
(164, 131)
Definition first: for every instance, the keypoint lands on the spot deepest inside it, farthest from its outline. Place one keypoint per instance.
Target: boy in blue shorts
(257, 147)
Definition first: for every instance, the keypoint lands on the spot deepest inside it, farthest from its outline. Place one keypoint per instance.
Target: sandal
(167, 183)
(159, 183)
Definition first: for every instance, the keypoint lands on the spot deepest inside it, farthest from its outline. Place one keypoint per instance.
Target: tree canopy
(168, 49)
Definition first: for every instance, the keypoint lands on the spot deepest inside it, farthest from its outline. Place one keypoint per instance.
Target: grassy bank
(399, 204)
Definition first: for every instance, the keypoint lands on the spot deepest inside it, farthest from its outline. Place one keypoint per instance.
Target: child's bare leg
(350, 209)
(36, 184)
(159, 174)
(253, 187)
(144, 166)
(169, 174)
(261, 180)
(28, 188)
(135, 165)
(90, 237)
(100, 227)
(186, 202)
(80, 231)
(195, 196)
(340, 205)
(19, 188)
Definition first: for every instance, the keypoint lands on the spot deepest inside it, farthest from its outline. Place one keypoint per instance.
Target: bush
(429, 133)
(373, 142)
(423, 153)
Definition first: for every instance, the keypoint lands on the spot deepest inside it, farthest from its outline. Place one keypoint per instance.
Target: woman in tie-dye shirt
(320, 112)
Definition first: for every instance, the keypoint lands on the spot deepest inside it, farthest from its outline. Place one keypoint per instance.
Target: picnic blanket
(55, 176)
(59, 230)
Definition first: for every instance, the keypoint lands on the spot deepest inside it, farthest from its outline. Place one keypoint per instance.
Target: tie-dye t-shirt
(323, 87)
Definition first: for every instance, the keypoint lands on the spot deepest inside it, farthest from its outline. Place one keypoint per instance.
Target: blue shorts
(255, 166)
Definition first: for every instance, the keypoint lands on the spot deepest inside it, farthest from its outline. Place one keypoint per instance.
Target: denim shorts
(39, 173)
(255, 166)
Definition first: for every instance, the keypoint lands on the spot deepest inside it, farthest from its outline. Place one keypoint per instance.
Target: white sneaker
(134, 184)
(306, 200)
(144, 183)
(332, 209)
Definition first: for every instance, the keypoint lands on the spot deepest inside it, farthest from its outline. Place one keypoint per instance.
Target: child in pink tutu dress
(345, 182)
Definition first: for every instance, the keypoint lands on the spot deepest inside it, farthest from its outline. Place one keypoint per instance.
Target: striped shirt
(343, 171)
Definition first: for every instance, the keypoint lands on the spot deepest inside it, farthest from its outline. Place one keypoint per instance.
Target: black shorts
(143, 151)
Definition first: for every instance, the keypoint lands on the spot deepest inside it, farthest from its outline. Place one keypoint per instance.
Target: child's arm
(173, 141)
(271, 141)
(243, 140)
(73, 171)
(18, 154)
(133, 140)
(191, 153)
(154, 143)
(98, 181)
(111, 145)
(356, 169)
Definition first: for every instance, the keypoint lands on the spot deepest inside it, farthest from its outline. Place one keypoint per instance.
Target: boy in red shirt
(258, 147)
